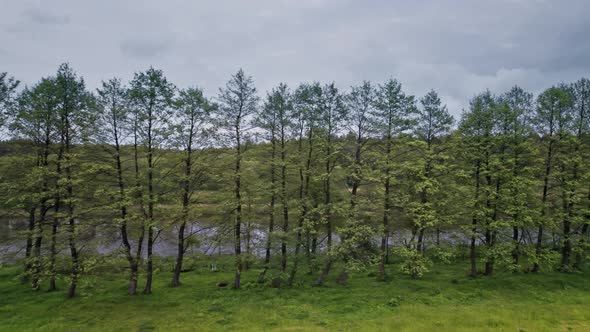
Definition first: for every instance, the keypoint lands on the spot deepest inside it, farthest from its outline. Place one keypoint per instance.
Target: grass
(444, 300)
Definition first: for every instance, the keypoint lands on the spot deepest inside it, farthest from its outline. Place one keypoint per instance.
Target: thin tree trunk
(52, 255)
(123, 212)
(55, 223)
(472, 249)
(248, 240)
(515, 241)
(29, 245)
(150, 265)
(539, 245)
(490, 233)
(271, 215)
(238, 221)
(285, 203)
(150, 240)
(583, 234)
(424, 197)
(134, 264)
(185, 208)
(304, 181)
(75, 258)
(71, 216)
(328, 215)
(581, 243)
(386, 209)
(567, 246)
(36, 269)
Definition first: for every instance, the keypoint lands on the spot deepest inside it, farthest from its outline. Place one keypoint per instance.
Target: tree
(152, 100)
(581, 105)
(8, 87)
(432, 123)
(570, 167)
(307, 112)
(332, 117)
(34, 119)
(476, 128)
(393, 115)
(238, 102)
(274, 119)
(193, 115)
(551, 123)
(356, 233)
(74, 119)
(112, 130)
(515, 132)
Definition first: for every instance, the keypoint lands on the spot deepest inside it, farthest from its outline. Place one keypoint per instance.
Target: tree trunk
(342, 278)
(304, 181)
(489, 267)
(238, 221)
(271, 215)
(134, 262)
(472, 252)
(36, 270)
(490, 233)
(53, 253)
(271, 223)
(328, 214)
(149, 267)
(179, 256)
(325, 272)
(55, 224)
(296, 254)
(539, 245)
(538, 248)
(150, 240)
(515, 241)
(71, 216)
(185, 208)
(472, 248)
(381, 275)
(285, 201)
(420, 246)
(567, 245)
(43, 210)
(29, 245)
(132, 287)
(248, 243)
(579, 257)
(75, 258)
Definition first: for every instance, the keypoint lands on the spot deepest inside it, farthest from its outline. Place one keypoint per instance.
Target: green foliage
(413, 263)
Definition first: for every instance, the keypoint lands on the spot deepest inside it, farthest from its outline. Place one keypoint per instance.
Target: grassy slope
(444, 300)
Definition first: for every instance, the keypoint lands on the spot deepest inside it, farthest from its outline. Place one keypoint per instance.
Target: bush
(413, 262)
(395, 301)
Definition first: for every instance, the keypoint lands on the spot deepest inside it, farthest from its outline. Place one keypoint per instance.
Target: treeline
(330, 174)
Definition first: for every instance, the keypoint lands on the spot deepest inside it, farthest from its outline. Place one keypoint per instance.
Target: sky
(458, 48)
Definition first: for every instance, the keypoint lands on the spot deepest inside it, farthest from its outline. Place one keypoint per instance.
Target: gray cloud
(457, 47)
(37, 15)
(144, 48)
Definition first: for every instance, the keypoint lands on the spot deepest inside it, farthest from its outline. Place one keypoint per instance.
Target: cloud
(457, 47)
(39, 16)
(144, 48)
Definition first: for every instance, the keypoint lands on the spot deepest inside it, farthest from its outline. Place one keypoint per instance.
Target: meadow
(446, 299)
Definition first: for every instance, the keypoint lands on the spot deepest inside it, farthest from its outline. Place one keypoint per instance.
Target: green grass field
(445, 300)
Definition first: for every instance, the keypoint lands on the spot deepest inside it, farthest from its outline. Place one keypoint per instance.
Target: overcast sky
(458, 48)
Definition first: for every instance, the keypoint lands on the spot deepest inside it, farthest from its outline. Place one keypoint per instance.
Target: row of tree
(334, 173)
